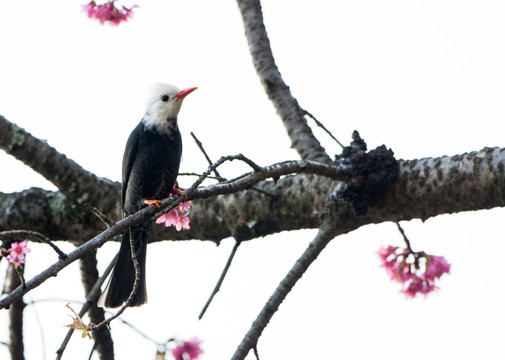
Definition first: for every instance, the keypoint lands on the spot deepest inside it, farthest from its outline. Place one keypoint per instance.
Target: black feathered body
(150, 166)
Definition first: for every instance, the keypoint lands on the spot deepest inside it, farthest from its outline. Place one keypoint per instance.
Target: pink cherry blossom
(417, 285)
(436, 266)
(90, 9)
(16, 261)
(108, 12)
(177, 217)
(185, 206)
(16, 253)
(187, 350)
(183, 223)
(169, 218)
(19, 248)
(405, 267)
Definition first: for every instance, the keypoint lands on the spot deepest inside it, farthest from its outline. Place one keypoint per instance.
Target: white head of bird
(163, 105)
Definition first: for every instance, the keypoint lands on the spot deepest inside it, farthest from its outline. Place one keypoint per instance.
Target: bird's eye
(164, 98)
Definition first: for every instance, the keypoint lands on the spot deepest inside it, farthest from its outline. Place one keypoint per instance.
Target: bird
(150, 167)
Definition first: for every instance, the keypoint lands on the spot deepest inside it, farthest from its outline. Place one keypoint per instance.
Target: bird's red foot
(176, 191)
(153, 202)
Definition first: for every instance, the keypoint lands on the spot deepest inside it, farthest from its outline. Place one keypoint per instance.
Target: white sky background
(425, 78)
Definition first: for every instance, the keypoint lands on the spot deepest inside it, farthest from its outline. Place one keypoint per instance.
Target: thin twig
(92, 351)
(108, 222)
(20, 275)
(220, 280)
(144, 335)
(240, 157)
(200, 145)
(176, 200)
(261, 191)
(136, 282)
(249, 162)
(210, 169)
(223, 179)
(41, 329)
(86, 305)
(256, 354)
(93, 295)
(334, 171)
(52, 300)
(405, 237)
(33, 236)
(320, 124)
(196, 174)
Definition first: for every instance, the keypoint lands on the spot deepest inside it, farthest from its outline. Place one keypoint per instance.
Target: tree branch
(321, 125)
(220, 280)
(20, 235)
(49, 213)
(200, 146)
(71, 179)
(292, 115)
(323, 237)
(425, 188)
(89, 276)
(16, 346)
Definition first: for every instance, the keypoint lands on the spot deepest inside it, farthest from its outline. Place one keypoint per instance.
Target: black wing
(130, 152)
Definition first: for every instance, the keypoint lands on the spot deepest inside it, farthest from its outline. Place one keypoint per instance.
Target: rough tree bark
(16, 345)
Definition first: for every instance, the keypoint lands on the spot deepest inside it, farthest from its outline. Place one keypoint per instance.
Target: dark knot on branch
(370, 174)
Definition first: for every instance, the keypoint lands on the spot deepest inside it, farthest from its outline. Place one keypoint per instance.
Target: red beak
(182, 94)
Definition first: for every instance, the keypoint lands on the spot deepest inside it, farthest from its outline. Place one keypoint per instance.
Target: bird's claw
(176, 191)
(153, 202)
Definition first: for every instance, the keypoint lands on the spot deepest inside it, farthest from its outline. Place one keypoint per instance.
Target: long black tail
(120, 284)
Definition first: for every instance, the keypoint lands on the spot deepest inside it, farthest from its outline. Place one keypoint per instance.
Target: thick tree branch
(425, 188)
(293, 116)
(49, 213)
(71, 179)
